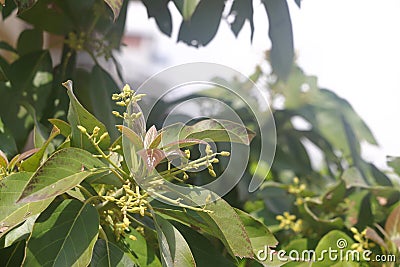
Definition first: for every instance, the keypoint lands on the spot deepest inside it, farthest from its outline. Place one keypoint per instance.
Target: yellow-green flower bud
(225, 154)
(212, 173)
(82, 129)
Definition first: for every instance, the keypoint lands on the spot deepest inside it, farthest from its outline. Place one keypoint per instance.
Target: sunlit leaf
(78, 115)
(64, 127)
(63, 235)
(32, 163)
(64, 170)
(11, 213)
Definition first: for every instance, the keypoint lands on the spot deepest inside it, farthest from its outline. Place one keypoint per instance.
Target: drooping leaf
(78, 115)
(142, 252)
(32, 163)
(158, 9)
(106, 254)
(242, 10)
(281, 36)
(12, 213)
(64, 170)
(63, 235)
(115, 6)
(202, 26)
(173, 247)
(29, 41)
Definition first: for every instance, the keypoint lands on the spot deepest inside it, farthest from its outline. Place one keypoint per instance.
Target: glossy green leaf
(142, 252)
(106, 254)
(29, 41)
(258, 232)
(202, 26)
(115, 6)
(63, 235)
(64, 170)
(158, 9)
(78, 115)
(281, 35)
(11, 213)
(33, 162)
(12, 256)
(173, 247)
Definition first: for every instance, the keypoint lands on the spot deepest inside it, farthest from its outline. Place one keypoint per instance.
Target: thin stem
(84, 190)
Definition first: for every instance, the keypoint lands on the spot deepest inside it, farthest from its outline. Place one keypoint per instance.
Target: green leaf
(33, 162)
(142, 252)
(173, 247)
(21, 232)
(12, 256)
(11, 213)
(63, 235)
(217, 130)
(242, 10)
(115, 6)
(54, 22)
(222, 222)
(258, 233)
(65, 128)
(24, 5)
(78, 115)
(202, 26)
(8, 8)
(186, 7)
(205, 252)
(102, 87)
(158, 9)
(281, 35)
(64, 170)
(334, 240)
(107, 254)
(29, 41)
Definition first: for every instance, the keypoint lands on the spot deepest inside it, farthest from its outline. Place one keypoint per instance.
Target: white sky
(352, 46)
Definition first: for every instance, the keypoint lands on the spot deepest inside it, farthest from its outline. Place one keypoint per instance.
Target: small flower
(82, 129)
(212, 173)
(225, 153)
(362, 241)
(132, 237)
(286, 220)
(187, 153)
